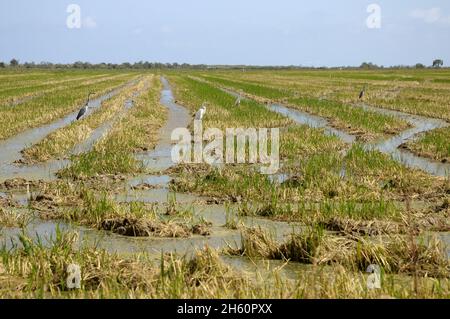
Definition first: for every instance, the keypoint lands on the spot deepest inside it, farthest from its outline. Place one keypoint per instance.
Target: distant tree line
(438, 63)
(86, 65)
(14, 63)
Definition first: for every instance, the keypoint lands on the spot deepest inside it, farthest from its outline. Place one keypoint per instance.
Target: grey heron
(238, 101)
(363, 91)
(201, 112)
(85, 107)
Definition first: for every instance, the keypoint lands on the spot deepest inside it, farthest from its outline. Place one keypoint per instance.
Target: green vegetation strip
(47, 108)
(135, 131)
(60, 142)
(434, 144)
(367, 124)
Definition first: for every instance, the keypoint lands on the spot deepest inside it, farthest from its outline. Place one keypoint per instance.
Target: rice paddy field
(363, 183)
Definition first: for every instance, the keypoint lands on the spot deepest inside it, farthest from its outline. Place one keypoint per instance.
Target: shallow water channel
(12, 147)
(389, 145)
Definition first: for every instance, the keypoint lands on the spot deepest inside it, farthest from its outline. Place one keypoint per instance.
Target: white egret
(238, 99)
(201, 112)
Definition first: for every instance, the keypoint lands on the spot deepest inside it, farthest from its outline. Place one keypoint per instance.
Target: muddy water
(312, 121)
(160, 158)
(420, 125)
(445, 238)
(391, 145)
(265, 269)
(221, 237)
(304, 119)
(388, 146)
(46, 230)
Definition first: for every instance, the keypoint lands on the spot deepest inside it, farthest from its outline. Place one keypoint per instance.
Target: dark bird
(363, 91)
(85, 107)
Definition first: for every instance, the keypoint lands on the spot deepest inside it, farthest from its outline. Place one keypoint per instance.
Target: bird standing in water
(85, 107)
(238, 99)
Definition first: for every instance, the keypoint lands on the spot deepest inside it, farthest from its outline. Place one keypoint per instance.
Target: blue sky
(258, 32)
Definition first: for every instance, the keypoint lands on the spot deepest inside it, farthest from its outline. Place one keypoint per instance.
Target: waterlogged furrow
(434, 145)
(315, 167)
(45, 109)
(16, 95)
(364, 123)
(58, 143)
(12, 147)
(114, 153)
(47, 171)
(421, 92)
(389, 146)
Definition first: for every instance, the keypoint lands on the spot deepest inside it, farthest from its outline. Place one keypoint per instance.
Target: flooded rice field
(220, 226)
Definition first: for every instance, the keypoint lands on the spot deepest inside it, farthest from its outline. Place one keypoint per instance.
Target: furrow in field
(15, 98)
(45, 109)
(15, 89)
(388, 145)
(133, 133)
(47, 171)
(12, 147)
(59, 142)
(427, 97)
(365, 124)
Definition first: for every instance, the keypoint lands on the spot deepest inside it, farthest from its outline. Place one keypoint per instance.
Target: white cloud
(89, 23)
(431, 16)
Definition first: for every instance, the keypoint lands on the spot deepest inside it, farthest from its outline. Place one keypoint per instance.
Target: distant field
(29, 100)
(333, 94)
